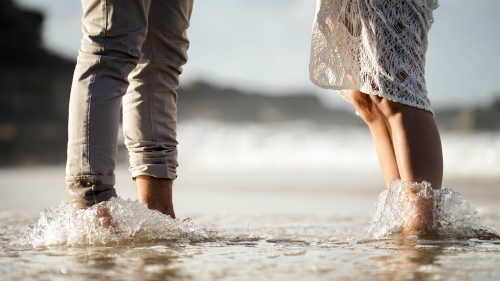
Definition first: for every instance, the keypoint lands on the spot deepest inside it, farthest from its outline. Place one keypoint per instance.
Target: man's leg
(149, 107)
(113, 35)
(157, 193)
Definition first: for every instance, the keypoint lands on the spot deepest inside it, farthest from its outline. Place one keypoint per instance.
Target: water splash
(454, 218)
(113, 221)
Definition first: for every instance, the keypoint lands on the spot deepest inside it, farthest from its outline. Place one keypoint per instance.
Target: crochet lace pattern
(375, 46)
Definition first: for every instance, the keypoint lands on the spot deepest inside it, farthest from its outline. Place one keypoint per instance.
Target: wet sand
(270, 227)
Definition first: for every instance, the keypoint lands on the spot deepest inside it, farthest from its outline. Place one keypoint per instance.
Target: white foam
(125, 220)
(453, 216)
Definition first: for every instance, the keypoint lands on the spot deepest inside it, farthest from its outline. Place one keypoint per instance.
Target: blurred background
(249, 116)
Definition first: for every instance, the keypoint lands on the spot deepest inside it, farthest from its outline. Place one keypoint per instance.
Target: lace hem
(375, 46)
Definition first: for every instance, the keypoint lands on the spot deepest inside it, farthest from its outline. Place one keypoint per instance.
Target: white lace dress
(375, 46)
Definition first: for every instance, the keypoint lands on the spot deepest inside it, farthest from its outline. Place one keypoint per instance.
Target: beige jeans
(132, 50)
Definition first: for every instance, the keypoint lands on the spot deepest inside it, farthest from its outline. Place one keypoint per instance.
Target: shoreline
(30, 189)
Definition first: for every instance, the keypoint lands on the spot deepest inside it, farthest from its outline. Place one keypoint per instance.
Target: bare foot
(157, 193)
(419, 208)
(104, 219)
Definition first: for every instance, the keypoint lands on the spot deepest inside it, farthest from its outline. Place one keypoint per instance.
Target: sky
(263, 45)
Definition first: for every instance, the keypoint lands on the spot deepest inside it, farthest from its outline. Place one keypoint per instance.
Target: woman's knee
(386, 107)
(390, 109)
(364, 105)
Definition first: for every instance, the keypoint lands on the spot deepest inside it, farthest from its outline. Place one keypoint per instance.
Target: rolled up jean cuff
(157, 169)
(88, 190)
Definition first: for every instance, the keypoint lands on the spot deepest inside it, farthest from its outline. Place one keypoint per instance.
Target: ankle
(156, 193)
(419, 205)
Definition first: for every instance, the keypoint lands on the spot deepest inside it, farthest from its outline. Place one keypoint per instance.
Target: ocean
(287, 201)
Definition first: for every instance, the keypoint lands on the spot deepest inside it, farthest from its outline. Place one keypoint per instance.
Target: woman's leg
(406, 139)
(380, 131)
(409, 147)
(417, 146)
(416, 141)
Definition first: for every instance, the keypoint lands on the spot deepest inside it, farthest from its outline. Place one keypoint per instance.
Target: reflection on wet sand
(135, 262)
(273, 247)
(408, 261)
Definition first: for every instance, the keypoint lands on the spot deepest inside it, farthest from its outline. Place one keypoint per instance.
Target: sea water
(257, 212)
(144, 245)
(126, 221)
